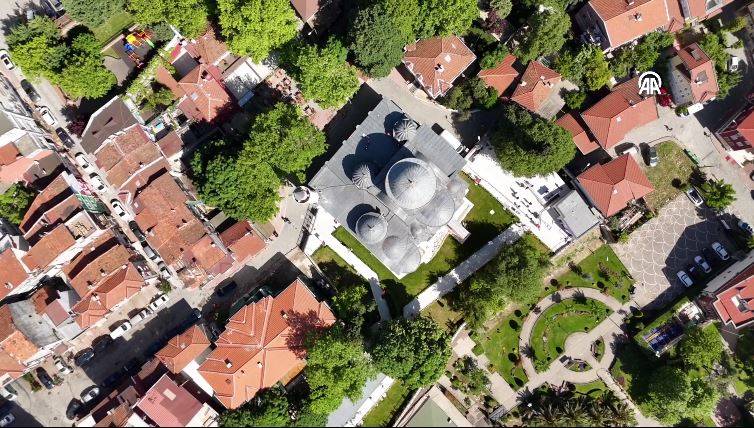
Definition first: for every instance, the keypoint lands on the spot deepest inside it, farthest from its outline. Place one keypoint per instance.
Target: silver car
(699, 260)
(685, 279)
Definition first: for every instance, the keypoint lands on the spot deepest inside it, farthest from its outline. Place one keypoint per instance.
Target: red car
(664, 98)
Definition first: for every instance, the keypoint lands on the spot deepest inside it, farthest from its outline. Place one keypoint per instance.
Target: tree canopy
(85, 75)
(414, 351)
(92, 13)
(256, 27)
(700, 347)
(514, 275)
(718, 194)
(189, 16)
(713, 44)
(501, 7)
(37, 48)
(674, 395)
(586, 67)
(269, 408)
(324, 75)
(565, 409)
(643, 56)
(244, 183)
(15, 201)
(445, 17)
(528, 145)
(547, 35)
(336, 367)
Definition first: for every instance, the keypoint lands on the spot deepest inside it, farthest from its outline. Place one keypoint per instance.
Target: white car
(120, 330)
(734, 63)
(89, 394)
(97, 181)
(7, 420)
(47, 116)
(699, 260)
(81, 160)
(5, 58)
(141, 316)
(158, 302)
(695, 197)
(720, 250)
(61, 365)
(685, 279)
(118, 208)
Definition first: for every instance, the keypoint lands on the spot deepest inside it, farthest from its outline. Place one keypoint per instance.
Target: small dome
(405, 129)
(419, 232)
(411, 260)
(394, 247)
(438, 212)
(301, 194)
(371, 227)
(411, 183)
(362, 176)
(455, 185)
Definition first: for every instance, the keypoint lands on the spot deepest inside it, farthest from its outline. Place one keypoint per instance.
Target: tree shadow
(302, 327)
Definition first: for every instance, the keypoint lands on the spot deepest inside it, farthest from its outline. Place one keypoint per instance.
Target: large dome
(411, 183)
(438, 212)
(405, 129)
(411, 260)
(419, 231)
(362, 176)
(371, 227)
(394, 247)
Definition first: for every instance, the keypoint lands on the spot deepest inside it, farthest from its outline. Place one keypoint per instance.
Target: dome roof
(301, 194)
(394, 247)
(371, 227)
(411, 183)
(438, 211)
(362, 176)
(455, 185)
(419, 231)
(411, 260)
(405, 129)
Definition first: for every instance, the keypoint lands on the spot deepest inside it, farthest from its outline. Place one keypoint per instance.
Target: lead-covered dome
(438, 212)
(405, 129)
(362, 176)
(411, 183)
(411, 260)
(371, 227)
(394, 247)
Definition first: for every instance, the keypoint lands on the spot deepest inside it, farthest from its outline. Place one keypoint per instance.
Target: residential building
(307, 9)
(502, 76)
(535, 87)
(573, 214)
(693, 81)
(737, 134)
(263, 344)
(242, 240)
(437, 62)
(16, 118)
(731, 294)
(582, 138)
(620, 112)
(183, 349)
(612, 186)
(109, 120)
(395, 186)
(432, 409)
(613, 23)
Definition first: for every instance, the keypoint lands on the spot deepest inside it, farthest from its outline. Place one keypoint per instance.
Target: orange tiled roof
(50, 196)
(207, 48)
(259, 347)
(537, 83)
(242, 241)
(12, 341)
(169, 405)
(437, 62)
(49, 247)
(96, 262)
(8, 154)
(624, 21)
(502, 76)
(572, 123)
(700, 72)
(125, 154)
(183, 348)
(171, 144)
(12, 272)
(306, 9)
(620, 112)
(735, 300)
(612, 185)
(206, 98)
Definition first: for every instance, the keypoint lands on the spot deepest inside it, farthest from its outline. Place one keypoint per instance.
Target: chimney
(228, 363)
(259, 364)
(523, 83)
(439, 68)
(630, 2)
(637, 17)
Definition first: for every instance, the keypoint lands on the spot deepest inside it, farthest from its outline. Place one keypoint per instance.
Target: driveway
(665, 245)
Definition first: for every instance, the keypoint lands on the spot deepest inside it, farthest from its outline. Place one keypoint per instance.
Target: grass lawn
(500, 345)
(336, 269)
(632, 369)
(486, 220)
(383, 413)
(592, 388)
(444, 315)
(673, 165)
(617, 283)
(112, 27)
(558, 322)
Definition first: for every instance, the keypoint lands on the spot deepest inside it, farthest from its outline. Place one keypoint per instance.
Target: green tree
(15, 201)
(492, 58)
(378, 34)
(445, 17)
(668, 394)
(159, 98)
(84, 74)
(471, 93)
(414, 351)
(718, 194)
(92, 13)
(514, 275)
(700, 347)
(726, 81)
(643, 56)
(269, 408)
(587, 67)
(528, 145)
(37, 48)
(501, 7)
(188, 16)
(547, 35)
(256, 27)
(324, 75)
(351, 304)
(735, 25)
(336, 367)
(574, 99)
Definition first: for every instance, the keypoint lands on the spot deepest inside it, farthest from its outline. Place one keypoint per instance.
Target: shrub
(574, 99)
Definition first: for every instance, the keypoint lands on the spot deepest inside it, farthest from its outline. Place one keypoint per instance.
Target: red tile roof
(28, 169)
(262, 343)
(624, 21)
(183, 348)
(612, 185)
(306, 9)
(169, 405)
(698, 8)
(13, 341)
(56, 191)
(700, 71)
(745, 127)
(573, 124)
(171, 144)
(735, 300)
(620, 112)
(207, 48)
(8, 154)
(502, 76)
(437, 62)
(126, 153)
(206, 97)
(94, 263)
(12, 272)
(242, 240)
(537, 83)
(49, 247)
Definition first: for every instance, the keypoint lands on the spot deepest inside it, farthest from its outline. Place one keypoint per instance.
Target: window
(711, 4)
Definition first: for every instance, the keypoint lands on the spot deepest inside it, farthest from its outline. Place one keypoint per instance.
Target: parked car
(746, 227)
(44, 378)
(702, 263)
(685, 279)
(65, 138)
(101, 343)
(72, 411)
(629, 148)
(226, 289)
(720, 250)
(84, 357)
(141, 316)
(158, 302)
(5, 58)
(61, 365)
(149, 252)
(47, 116)
(118, 208)
(137, 231)
(652, 156)
(734, 63)
(83, 162)
(89, 394)
(97, 181)
(30, 91)
(7, 420)
(120, 330)
(694, 196)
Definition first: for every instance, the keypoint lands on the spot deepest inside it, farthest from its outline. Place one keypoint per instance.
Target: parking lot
(666, 244)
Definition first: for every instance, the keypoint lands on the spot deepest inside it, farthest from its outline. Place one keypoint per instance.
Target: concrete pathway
(460, 273)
